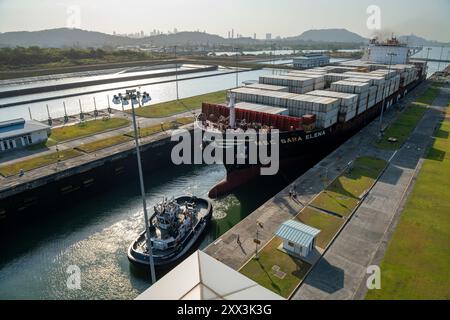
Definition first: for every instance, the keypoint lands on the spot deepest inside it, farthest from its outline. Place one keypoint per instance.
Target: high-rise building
(232, 33)
(254, 36)
(268, 36)
(175, 30)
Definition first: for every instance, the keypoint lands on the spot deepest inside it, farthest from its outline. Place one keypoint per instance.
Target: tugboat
(175, 227)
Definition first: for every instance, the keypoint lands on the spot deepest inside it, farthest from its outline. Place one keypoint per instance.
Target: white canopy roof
(201, 277)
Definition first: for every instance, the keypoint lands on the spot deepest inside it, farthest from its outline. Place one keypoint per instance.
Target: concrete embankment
(114, 88)
(79, 84)
(81, 176)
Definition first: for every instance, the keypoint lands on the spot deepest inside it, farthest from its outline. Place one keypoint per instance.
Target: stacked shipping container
(295, 84)
(268, 87)
(325, 109)
(360, 88)
(347, 103)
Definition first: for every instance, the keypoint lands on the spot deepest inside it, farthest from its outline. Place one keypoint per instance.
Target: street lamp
(135, 97)
(428, 55)
(256, 240)
(440, 58)
(391, 55)
(176, 72)
(428, 52)
(237, 66)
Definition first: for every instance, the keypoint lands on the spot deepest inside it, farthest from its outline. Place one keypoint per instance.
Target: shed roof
(297, 232)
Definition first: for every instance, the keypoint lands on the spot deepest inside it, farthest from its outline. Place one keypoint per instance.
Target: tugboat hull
(161, 259)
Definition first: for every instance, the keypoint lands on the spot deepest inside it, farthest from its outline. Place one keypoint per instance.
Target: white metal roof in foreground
(201, 277)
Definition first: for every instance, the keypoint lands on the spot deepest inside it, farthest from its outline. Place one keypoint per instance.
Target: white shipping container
(287, 81)
(267, 87)
(345, 99)
(262, 108)
(301, 90)
(350, 87)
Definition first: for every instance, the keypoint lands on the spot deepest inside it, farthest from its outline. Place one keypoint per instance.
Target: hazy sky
(427, 18)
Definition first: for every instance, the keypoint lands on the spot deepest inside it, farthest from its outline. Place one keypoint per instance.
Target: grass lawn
(344, 193)
(402, 127)
(327, 224)
(184, 120)
(169, 125)
(416, 263)
(103, 143)
(173, 107)
(261, 270)
(86, 129)
(430, 94)
(37, 162)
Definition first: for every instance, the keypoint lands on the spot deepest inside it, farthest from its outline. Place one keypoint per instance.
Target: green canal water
(94, 235)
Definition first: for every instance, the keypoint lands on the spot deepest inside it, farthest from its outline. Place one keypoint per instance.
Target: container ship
(312, 109)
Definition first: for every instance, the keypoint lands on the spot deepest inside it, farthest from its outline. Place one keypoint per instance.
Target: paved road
(341, 273)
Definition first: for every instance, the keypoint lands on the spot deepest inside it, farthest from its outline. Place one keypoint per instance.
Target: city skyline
(426, 20)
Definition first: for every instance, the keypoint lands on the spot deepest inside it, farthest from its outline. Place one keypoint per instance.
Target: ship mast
(231, 105)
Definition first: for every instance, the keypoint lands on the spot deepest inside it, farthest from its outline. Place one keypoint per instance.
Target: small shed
(298, 238)
(18, 133)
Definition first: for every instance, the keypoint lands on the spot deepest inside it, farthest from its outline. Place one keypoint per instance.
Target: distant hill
(64, 37)
(330, 35)
(61, 37)
(185, 38)
(414, 40)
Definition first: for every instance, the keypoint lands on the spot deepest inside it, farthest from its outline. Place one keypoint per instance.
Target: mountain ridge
(65, 37)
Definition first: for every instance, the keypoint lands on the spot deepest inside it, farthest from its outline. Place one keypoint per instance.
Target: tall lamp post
(135, 97)
(428, 52)
(237, 66)
(440, 58)
(428, 55)
(391, 55)
(176, 71)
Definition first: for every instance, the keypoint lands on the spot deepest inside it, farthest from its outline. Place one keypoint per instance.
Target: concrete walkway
(341, 273)
(281, 207)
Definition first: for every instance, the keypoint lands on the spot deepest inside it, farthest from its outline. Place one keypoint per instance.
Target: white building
(19, 133)
(311, 60)
(201, 277)
(298, 238)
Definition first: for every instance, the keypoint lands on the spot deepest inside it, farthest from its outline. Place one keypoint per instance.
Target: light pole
(256, 240)
(428, 53)
(440, 58)
(237, 66)
(272, 57)
(391, 55)
(133, 96)
(176, 72)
